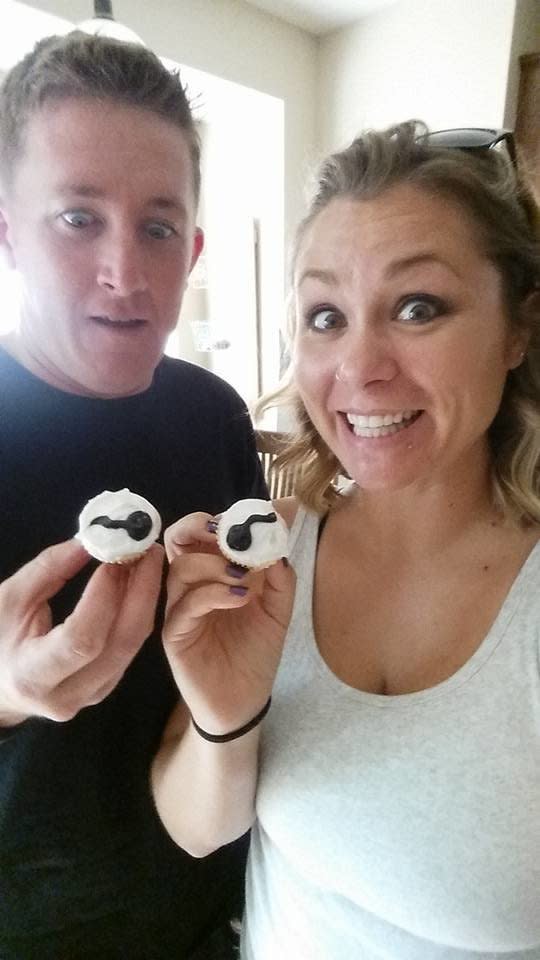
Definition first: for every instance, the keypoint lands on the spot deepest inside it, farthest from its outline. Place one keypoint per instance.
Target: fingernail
(211, 526)
(285, 562)
(239, 591)
(234, 570)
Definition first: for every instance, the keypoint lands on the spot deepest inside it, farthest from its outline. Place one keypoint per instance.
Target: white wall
(442, 61)
(235, 41)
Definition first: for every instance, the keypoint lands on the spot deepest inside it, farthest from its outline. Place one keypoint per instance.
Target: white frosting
(116, 545)
(269, 541)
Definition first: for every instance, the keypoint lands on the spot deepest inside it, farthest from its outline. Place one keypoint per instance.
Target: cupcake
(118, 526)
(252, 534)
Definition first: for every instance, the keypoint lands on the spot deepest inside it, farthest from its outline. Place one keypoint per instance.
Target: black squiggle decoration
(239, 536)
(137, 526)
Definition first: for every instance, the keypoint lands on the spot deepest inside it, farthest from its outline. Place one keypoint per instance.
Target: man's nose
(367, 357)
(121, 267)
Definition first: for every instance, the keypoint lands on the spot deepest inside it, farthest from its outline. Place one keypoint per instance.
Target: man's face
(99, 221)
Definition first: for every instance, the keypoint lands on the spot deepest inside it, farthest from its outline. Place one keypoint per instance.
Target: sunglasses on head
(478, 140)
(475, 139)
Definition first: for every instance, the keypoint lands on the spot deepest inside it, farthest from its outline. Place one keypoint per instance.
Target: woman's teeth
(381, 425)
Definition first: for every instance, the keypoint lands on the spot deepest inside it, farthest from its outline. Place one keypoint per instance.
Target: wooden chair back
(280, 482)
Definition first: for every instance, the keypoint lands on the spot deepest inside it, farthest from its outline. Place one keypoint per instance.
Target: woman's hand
(224, 627)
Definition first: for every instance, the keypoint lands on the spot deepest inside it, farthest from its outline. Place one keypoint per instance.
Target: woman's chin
(390, 461)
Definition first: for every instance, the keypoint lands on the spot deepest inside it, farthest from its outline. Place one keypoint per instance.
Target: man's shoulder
(194, 383)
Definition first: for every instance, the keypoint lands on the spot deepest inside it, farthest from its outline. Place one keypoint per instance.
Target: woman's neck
(425, 517)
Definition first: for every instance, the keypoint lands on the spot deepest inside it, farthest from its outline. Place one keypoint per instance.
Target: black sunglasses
(476, 139)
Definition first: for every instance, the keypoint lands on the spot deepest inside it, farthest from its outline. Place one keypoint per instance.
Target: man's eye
(159, 231)
(324, 318)
(78, 218)
(420, 309)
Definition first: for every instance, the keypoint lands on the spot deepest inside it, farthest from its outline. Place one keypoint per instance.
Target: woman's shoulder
(290, 507)
(287, 507)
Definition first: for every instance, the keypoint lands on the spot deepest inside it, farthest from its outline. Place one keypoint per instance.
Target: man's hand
(56, 672)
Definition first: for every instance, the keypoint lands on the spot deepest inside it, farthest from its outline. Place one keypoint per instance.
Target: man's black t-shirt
(86, 868)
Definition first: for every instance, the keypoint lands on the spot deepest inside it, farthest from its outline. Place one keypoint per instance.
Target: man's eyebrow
(167, 203)
(87, 191)
(325, 276)
(80, 190)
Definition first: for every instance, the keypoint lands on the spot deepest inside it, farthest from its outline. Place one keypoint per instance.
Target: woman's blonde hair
(485, 185)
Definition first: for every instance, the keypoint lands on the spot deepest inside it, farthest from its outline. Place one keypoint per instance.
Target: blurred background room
(277, 84)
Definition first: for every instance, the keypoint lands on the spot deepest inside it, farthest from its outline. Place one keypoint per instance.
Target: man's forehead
(81, 117)
(79, 146)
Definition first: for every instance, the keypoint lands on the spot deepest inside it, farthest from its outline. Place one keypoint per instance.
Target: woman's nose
(366, 358)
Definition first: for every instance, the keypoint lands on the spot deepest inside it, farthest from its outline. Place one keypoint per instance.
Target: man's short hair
(87, 66)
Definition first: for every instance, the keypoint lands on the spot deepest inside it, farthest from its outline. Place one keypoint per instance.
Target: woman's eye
(78, 218)
(159, 231)
(324, 318)
(420, 310)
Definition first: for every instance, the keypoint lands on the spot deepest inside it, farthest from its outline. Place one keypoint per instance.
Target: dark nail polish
(234, 570)
(211, 526)
(285, 562)
(239, 591)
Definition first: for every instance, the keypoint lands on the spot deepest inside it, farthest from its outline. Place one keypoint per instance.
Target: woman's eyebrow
(419, 259)
(325, 276)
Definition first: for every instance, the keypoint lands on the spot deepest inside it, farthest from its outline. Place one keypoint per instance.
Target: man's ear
(198, 244)
(5, 246)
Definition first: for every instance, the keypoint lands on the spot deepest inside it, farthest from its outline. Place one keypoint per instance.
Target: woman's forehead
(404, 221)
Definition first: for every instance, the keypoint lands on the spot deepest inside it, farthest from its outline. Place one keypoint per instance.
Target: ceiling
(320, 16)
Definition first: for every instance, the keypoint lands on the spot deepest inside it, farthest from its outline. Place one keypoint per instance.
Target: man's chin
(115, 390)
(114, 384)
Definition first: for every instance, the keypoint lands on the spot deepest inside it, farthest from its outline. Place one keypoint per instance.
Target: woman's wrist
(233, 734)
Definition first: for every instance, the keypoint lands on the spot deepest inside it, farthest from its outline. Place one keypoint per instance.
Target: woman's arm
(204, 792)
(223, 635)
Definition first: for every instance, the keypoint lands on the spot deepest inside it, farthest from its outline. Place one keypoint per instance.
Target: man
(99, 167)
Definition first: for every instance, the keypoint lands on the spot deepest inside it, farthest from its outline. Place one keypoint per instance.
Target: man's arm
(250, 476)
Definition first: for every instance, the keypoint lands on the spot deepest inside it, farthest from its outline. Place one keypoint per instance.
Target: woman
(398, 770)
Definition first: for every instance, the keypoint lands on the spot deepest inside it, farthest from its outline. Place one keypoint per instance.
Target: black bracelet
(234, 734)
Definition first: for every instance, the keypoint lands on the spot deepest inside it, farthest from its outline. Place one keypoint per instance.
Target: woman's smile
(402, 344)
(375, 425)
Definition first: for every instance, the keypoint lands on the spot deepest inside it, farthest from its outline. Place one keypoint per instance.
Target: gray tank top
(404, 827)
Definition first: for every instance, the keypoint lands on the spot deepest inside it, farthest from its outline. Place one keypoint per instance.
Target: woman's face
(402, 344)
